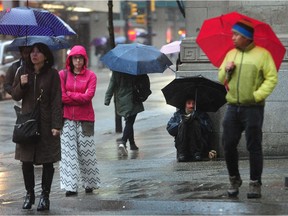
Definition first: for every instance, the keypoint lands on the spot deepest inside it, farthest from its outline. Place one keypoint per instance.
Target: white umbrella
(172, 47)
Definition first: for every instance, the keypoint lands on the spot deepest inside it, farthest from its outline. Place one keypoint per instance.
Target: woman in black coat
(36, 77)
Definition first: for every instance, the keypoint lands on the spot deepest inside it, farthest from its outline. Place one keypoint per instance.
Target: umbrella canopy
(209, 95)
(99, 41)
(172, 47)
(215, 38)
(54, 43)
(136, 59)
(22, 21)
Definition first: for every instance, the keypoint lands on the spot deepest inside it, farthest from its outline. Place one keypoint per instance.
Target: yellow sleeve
(270, 78)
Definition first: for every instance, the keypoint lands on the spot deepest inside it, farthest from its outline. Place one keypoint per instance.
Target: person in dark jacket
(191, 130)
(121, 86)
(14, 68)
(37, 77)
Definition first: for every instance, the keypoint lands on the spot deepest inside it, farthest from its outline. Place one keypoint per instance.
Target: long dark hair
(44, 49)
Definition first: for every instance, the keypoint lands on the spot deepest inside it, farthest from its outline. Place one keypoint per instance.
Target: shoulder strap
(17, 70)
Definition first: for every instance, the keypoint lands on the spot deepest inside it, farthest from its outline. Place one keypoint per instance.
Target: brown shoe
(254, 190)
(235, 183)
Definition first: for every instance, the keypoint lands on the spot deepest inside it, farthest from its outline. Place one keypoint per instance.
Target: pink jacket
(78, 90)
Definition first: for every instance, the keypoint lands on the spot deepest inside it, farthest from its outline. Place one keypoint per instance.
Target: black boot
(28, 175)
(47, 177)
(29, 200)
(133, 146)
(44, 202)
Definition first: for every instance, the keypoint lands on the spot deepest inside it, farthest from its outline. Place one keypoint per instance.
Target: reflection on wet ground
(150, 181)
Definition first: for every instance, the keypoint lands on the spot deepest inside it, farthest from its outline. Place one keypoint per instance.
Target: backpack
(141, 88)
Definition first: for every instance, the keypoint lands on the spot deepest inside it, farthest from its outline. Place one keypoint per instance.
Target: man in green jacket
(249, 75)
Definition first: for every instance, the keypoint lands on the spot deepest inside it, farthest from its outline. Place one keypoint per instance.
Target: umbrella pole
(171, 69)
(196, 98)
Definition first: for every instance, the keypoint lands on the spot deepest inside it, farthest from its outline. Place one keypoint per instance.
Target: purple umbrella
(23, 21)
(99, 41)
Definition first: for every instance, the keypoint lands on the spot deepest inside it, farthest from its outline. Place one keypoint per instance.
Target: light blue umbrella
(54, 43)
(136, 59)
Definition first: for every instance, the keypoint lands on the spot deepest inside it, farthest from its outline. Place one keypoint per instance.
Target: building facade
(194, 62)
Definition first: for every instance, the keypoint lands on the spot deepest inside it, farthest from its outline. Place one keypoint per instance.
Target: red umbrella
(215, 38)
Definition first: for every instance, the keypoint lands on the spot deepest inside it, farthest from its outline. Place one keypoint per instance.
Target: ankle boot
(133, 146)
(29, 200)
(47, 177)
(44, 202)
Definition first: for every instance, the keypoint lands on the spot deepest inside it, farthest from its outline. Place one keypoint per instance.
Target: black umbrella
(209, 95)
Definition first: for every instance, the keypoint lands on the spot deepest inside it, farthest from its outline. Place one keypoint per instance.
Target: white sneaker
(122, 150)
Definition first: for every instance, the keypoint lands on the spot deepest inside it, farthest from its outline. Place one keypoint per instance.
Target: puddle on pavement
(167, 190)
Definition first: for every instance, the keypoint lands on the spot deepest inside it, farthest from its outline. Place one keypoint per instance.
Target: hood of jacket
(77, 50)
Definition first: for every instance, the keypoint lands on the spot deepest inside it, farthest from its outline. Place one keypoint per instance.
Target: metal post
(149, 22)
(15, 4)
(118, 120)
(126, 19)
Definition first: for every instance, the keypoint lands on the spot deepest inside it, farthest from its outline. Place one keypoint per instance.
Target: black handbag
(26, 129)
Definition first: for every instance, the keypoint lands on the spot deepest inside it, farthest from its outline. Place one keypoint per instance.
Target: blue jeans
(238, 119)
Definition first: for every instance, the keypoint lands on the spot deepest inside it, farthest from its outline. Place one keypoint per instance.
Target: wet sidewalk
(148, 181)
(151, 182)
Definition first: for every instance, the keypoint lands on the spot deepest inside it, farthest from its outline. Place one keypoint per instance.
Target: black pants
(249, 119)
(128, 133)
(188, 140)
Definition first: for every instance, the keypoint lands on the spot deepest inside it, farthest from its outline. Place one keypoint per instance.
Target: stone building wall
(194, 62)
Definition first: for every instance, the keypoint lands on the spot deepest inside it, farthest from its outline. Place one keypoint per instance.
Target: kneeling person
(191, 130)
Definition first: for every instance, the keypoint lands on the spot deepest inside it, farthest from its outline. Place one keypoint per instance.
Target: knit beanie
(245, 28)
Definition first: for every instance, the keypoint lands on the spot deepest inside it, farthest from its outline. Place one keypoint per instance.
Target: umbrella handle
(222, 24)
(171, 69)
(196, 94)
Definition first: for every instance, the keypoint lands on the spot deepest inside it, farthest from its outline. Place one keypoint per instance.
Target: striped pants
(78, 165)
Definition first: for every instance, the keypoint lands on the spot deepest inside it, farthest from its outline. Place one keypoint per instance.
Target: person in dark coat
(121, 86)
(39, 76)
(191, 130)
(14, 68)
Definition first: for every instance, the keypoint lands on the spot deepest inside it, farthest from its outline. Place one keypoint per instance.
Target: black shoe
(181, 158)
(133, 147)
(119, 140)
(29, 200)
(88, 190)
(44, 203)
(70, 193)
(197, 156)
